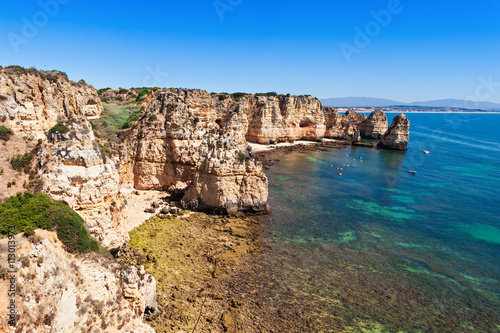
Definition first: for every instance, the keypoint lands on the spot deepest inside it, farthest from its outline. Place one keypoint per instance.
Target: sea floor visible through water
(377, 249)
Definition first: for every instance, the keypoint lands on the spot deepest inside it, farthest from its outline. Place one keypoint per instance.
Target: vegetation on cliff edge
(114, 119)
(5, 133)
(25, 212)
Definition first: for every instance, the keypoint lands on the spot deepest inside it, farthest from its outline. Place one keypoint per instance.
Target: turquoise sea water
(381, 250)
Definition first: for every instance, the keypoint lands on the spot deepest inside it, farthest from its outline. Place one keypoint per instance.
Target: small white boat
(426, 152)
(412, 172)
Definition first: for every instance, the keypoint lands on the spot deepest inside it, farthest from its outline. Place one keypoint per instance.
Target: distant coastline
(444, 112)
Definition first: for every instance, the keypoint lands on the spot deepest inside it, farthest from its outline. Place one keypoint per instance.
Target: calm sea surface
(381, 250)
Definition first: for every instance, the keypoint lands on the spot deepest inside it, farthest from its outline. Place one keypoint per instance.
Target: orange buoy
(341, 169)
(337, 168)
(331, 166)
(333, 176)
(354, 159)
(340, 174)
(346, 155)
(347, 165)
(361, 161)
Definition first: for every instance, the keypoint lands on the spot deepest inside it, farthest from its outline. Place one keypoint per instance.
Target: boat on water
(426, 152)
(412, 172)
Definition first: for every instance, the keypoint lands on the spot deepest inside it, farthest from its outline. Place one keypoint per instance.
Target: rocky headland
(186, 143)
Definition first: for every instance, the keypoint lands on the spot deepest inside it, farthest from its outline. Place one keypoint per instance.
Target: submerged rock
(375, 126)
(396, 137)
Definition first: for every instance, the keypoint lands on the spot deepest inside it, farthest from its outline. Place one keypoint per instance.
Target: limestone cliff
(343, 127)
(396, 137)
(32, 101)
(188, 142)
(375, 126)
(69, 161)
(60, 292)
(284, 118)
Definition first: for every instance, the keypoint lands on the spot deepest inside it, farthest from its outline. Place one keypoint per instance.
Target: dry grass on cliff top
(192, 257)
(114, 119)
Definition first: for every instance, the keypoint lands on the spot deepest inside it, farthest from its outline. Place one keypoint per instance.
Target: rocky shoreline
(205, 262)
(187, 143)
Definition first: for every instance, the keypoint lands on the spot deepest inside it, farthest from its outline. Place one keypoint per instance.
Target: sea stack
(343, 127)
(375, 126)
(396, 137)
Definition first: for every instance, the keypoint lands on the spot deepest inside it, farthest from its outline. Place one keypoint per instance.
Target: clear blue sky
(428, 50)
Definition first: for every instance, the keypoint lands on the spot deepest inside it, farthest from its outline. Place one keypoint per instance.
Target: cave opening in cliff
(305, 123)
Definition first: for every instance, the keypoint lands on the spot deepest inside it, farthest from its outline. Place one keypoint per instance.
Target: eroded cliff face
(397, 136)
(345, 126)
(34, 101)
(375, 126)
(74, 170)
(188, 142)
(70, 165)
(284, 118)
(61, 292)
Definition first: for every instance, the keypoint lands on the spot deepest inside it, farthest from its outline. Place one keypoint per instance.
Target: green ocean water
(381, 250)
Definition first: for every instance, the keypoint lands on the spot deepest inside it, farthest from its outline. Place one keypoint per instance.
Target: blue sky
(423, 50)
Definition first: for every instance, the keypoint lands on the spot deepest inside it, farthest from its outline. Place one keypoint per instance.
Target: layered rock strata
(71, 164)
(284, 118)
(60, 292)
(375, 126)
(343, 127)
(397, 136)
(32, 101)
(184, 143)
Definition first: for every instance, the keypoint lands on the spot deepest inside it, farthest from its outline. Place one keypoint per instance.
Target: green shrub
(222, 96)
(9, 184)
(122, 91)
(82, 81)
(141, 94)
(100, 91)
(22, 162)
(242, 157)
(119, 98)
(172, 90)
(26, 212)
(152, 118)
(5, 133)
(17, 69)
(29, 231)
(270, 93)
(237, 96)
(60, 128)
(104, 151)
(130, 119)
